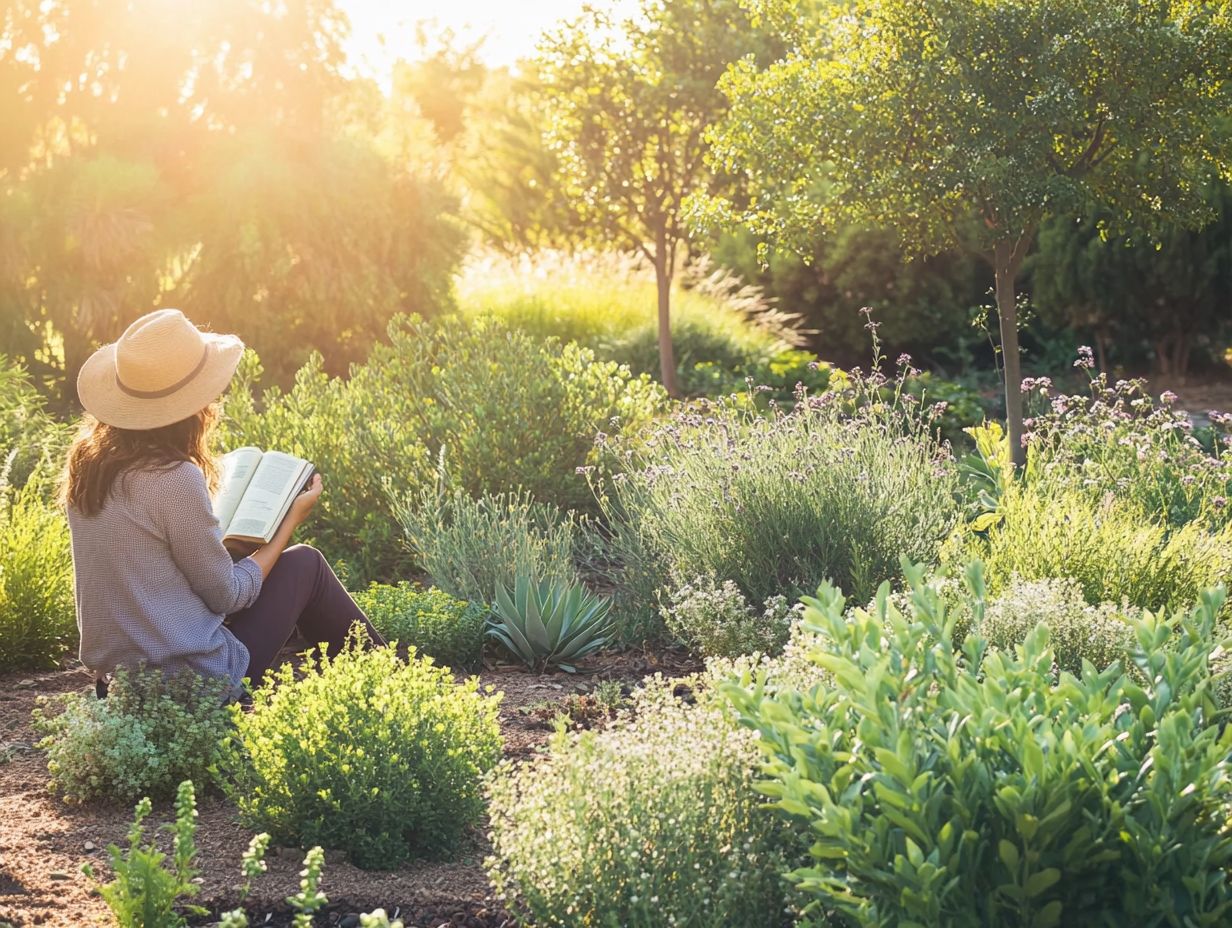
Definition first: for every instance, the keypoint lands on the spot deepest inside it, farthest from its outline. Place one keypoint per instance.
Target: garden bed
(44, 841)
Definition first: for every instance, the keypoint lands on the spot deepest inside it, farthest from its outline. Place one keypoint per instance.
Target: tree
(1129, 292)
(971, 121)
(628, 105)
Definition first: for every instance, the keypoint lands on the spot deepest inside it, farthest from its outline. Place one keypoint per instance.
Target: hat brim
(101, 395)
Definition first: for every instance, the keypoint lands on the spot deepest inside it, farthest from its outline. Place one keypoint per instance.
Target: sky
(512, 27)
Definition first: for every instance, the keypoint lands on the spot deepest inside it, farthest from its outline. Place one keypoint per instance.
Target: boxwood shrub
(436, 624)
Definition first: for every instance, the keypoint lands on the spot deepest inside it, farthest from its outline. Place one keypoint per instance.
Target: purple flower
(1167, 397)
(1086, 358)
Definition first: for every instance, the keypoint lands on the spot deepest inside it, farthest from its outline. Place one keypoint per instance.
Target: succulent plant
(549, 623)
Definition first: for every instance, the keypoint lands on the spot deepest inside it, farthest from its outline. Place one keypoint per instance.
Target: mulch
(44, 841)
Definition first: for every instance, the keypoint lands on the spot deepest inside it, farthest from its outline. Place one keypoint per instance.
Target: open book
(256, 494)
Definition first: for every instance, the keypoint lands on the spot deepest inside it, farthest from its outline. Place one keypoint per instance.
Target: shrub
(715, 620)
(366, 753)
(1118, 440)
(549, 624)
(150, 733)
(145, 892)
(38, 618)
(471, 547)
(1110, 547)
(436, 624)
(32, 443)
(1077, 631)
(653, 821)
(360, 445)
(775, 503)
(980, 788)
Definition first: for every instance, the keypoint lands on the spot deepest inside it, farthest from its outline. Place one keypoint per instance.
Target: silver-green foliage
(364, 752)
(777, 503)
(716, 620)
(38, 619)
(150, 733)
(979, 787)
(653, 822)
(471, 546)
(548, 623)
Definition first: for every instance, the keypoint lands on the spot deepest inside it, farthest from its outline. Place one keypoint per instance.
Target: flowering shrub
(716, 620)
(366, 753)
(651, 822)
(1119, 440)
(841, 487)
(149, 734)
(435, 623)
(38, 618)
(981, 788)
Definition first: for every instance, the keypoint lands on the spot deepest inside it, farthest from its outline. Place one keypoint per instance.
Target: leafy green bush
(471, 547)
(979, 788)
(360, 446)
(32, 443)
(152, 732)
(653, 821)
(716, 620)
(548, 623)
(145, 893)
(1077, 631)
(364, 752)
(447, 629)
(1115, 551)
(38, 617)
(777, 502)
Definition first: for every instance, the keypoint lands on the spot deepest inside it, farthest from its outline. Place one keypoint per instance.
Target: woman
(154, 583)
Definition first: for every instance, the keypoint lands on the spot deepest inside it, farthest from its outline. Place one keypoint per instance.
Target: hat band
(167, 391)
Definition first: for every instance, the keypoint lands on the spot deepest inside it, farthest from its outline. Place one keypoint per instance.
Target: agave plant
(549, 624)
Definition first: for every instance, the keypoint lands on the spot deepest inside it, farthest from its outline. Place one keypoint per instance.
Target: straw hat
(163, 369)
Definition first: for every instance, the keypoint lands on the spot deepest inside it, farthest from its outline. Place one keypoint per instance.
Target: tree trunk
(1007, 260)
(667, 354)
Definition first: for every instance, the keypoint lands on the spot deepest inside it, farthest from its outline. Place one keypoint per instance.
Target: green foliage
(366, 753)
(653, 821)
(32, 443)
(309, 899)
(716, 620)
(145, 892)
(981, 788)
(449, 630)
(38, 618)
(150, 733)
(1117, 439)
(471, 547)
(839, 487)
(546, 623)
(1077, 632)
(1112, 548)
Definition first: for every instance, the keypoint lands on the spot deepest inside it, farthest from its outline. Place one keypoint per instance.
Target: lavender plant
(840, 487)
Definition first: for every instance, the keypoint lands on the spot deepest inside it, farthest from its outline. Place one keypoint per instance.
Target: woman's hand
(302, 505)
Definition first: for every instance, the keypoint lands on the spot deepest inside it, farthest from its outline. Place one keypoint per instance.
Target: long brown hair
(101, 454)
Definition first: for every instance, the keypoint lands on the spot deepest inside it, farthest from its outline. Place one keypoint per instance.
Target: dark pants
(301, 592)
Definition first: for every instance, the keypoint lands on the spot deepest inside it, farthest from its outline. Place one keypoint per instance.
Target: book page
(275, 483)
(238, 467)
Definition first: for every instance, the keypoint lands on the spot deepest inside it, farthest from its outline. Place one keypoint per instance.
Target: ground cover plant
(364, 752)
(716, 620)
(153, 731)
(651, 822)
(991, 796)
(438, 625)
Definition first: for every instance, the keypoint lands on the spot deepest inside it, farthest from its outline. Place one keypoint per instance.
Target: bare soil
(44, 841)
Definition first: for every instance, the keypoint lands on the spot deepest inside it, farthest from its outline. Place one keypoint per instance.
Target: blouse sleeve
(195, 539)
